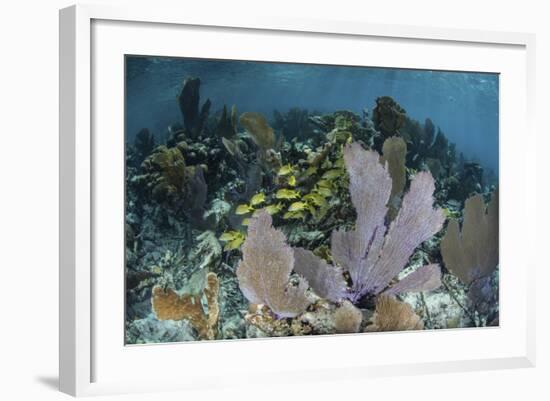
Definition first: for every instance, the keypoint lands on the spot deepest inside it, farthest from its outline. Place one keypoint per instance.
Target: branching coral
(265, 268)
(393, 315)
(472, 253)
(169, 305)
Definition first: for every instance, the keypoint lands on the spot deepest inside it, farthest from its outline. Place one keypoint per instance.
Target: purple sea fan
(327, 281)
(265, 269)
(374, 254)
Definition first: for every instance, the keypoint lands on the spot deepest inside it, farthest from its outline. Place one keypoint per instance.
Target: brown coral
(394, 152)
(347, 318)
(388, 116)
(169, 305)
(472, 253)
(172, 183)
(258, 128)
(393, 315)
(165, 169)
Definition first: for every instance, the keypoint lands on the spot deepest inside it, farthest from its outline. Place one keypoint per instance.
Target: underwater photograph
(269, 199)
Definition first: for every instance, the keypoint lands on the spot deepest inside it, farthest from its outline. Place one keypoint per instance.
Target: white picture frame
(93, 361)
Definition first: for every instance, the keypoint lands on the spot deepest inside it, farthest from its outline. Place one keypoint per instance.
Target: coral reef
(307, 223)
(268, 261)
(169, 181)
(293, 124)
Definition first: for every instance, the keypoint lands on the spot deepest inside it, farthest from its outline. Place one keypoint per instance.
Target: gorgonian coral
(258, 128)
(394, 152)
(373, 254)
(472, 253)
(265, 269)
(328, 280)
(393, 315)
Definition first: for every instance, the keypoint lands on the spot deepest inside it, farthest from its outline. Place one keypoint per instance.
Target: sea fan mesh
(265, 269)
(327, 281)
(393, 315)
(370, 187)
(372, 254)
(394, 151)
(347, 318)
(258, 128)
(416, 222)
(472, 253)
(425, 278)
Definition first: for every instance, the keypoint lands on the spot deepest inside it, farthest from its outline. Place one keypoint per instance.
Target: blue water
(464, 104)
